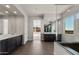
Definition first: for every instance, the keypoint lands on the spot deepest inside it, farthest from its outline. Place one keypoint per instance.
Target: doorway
(36, 29)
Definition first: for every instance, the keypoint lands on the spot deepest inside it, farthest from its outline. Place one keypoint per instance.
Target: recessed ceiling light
(6, 12)
(8, 6)
(15, 12)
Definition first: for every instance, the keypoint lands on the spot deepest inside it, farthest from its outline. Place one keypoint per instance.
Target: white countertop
(49, 33)
(2, 37)
(69, 42)
(58, 50)
(61, 50)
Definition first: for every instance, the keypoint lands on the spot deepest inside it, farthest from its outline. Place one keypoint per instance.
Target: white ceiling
(10, 10)
(42, 9)
(62, 8)
(34, 9)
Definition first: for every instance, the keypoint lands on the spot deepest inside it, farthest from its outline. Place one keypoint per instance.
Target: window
(69, 25)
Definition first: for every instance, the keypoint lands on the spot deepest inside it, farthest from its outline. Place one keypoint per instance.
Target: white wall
(71, 37)
(16, 24)
(26, 29)
(23, 11)
(1, 26)
(20, 25)
(30, 28)
(12, 24)
(60, 26)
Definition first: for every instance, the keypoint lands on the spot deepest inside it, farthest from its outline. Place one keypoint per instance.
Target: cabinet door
(19, 40)
(0, 48)
(11, 44)
(3, 47)
(49, 37)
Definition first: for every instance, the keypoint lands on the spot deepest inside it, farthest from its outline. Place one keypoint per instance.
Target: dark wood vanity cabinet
(11, 44)
(52, 37)
(3, 47)
(59, 37)
(49, 37)
(7, 46)
(19, 40)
